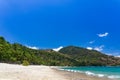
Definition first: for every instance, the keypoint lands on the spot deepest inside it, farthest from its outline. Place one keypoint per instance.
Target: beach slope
(19, 72)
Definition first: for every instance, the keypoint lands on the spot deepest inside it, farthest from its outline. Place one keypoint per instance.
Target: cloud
(103, 35)
(33, 47)
(57, 49)
(91, 42)
(115, 54)
(109, 54)
(89, 48)
(100, 48)
(118, 56)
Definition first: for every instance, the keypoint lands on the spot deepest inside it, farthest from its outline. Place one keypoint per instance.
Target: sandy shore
(78, 76)
(19, 72)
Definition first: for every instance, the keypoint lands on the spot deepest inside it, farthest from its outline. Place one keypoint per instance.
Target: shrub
(25, 63)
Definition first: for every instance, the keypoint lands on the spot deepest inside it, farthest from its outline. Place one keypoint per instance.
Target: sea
(109, 72)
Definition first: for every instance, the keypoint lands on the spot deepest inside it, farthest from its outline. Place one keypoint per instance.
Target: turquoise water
(109, 72)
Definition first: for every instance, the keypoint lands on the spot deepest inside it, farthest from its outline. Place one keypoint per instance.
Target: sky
(92, 24)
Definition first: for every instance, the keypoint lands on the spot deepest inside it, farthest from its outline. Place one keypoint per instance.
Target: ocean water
(109, 72)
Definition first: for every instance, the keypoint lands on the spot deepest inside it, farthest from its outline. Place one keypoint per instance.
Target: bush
(25, 63)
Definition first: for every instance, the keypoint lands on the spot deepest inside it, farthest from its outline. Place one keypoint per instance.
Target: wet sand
(78, 76)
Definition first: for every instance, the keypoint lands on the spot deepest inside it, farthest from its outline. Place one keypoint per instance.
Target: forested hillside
(68, 56)
(19, 54)
(90, 57)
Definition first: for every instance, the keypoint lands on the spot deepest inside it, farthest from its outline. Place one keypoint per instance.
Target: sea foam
(114, 77)
(90, 73)
(108, 72)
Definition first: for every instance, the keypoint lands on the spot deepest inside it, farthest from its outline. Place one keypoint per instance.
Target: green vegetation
(87, 57)
(68, 56)
(25, 63)
(19, 54)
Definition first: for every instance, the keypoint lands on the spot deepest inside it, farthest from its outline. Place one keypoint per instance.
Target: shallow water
(109, 72)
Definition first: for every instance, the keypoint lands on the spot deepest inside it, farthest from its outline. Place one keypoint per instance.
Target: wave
(89, 73)
(94, 74)
(114, 77)
(102, 75)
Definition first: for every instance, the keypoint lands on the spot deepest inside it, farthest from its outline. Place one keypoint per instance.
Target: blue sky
(54, 23)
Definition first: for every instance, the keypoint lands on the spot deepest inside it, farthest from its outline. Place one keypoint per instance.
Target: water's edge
(96, 71)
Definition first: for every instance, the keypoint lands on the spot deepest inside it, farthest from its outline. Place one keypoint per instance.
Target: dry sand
(19, 72)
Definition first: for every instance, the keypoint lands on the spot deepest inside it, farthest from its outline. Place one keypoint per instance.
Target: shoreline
(40, 72)
(78, 76)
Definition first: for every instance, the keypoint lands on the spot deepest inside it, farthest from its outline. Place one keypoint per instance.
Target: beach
(35, 72)
(79, 76)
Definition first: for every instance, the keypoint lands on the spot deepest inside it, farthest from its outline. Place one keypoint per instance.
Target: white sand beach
(19, 72)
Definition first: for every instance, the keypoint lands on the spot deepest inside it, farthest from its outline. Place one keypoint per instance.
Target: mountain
(19, 54)
(87, 57)
(69, 56)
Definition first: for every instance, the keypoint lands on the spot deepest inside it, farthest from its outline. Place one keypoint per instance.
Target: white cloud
(33, 47)
(103, 35)
(109, 54)
(100, 48)
(115, 54)
(89, 48)
(91, 42)
(57, 49)
(118, 56)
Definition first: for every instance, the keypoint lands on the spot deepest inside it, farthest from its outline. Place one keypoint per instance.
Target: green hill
(89, 57)
(19, 54)
(68, 56)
